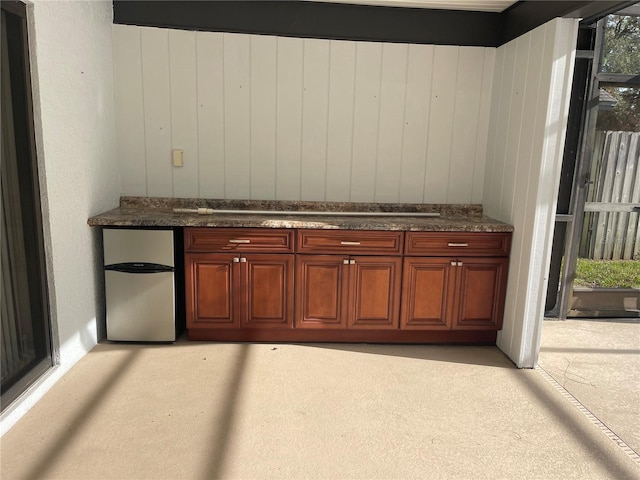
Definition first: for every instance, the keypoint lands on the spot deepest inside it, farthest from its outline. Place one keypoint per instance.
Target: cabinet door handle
(346, 262)
(452, 244)
(236, 259)
(349, 243)
(239, 240)
(243, 260)
(459, 264)
(352, 262)
(454, 264)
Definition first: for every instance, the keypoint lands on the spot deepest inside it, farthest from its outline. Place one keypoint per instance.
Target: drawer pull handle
(349, 243)
(239, 240)
(451, 244)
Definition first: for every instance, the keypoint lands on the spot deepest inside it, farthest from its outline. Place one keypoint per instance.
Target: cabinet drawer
(353, 242)
(238, 240)
(455, 244)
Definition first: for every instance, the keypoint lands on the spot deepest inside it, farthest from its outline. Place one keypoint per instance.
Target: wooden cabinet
(426, 293)
(439, 244)
(308, 285)
(234, 290)
(212, 290)
(336, 291)
(348, 279)
(443, 292)
(322, 290)
(238, 240)
(350, 242)
(479, 293)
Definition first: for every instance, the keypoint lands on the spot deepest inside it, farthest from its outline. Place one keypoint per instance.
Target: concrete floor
(598, 362)
(208, 410)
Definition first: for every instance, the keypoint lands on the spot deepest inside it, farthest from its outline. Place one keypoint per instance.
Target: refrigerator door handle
(139, 267)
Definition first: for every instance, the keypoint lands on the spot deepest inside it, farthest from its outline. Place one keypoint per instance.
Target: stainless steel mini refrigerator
(140, 285)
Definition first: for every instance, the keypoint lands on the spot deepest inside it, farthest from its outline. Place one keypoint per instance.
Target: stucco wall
(72, 75)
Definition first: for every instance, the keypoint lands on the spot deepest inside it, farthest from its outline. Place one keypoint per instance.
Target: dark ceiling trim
(526, 15)
(356, 22)
(315, 19)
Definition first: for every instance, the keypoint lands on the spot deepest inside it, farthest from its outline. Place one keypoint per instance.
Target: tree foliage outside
(621, 54)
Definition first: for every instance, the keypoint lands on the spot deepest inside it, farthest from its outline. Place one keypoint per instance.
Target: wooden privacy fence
(610, 229)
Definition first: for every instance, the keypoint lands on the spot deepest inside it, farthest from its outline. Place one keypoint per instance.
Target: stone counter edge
(149, 212)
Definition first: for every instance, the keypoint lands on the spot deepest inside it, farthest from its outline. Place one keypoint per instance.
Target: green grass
(607, 273)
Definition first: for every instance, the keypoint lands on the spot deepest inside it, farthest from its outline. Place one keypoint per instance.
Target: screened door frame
(578, 154)
(30, 196)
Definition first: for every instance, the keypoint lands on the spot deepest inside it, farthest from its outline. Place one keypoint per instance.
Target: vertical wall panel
(263, 117)
(184, 112)
(340, 121)
(482, 137)
(523, 212)
(210, 79)
(237, 115)
(527, 247)
(392, 109)
(497, 99)
(416, 123)
(561, 37)
(502, 129)
(443, 96)
(528, 119)
(315, 104)
(514, 128)
(289, 118)
(127, 65)
(366, 117)
(157, 111)
(465, 119)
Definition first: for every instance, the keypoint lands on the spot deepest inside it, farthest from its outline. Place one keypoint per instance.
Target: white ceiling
(476, 5)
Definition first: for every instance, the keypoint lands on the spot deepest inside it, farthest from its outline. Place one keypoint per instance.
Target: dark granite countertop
(158, 212)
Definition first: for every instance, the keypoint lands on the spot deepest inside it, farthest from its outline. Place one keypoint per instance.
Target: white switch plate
(178, 157)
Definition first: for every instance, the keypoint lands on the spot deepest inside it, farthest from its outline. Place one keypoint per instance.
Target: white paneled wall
(266, 117)
(530, 102)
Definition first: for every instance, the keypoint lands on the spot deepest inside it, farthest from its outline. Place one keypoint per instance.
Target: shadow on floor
(39, 468)
(580, 431)
(485, 355)
(227, 417)
(489, 356)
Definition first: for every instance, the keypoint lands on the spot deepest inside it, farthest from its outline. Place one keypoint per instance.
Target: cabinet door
(212, 284)
(267, 292)
(428, 285)
(321, 291)
(374, 293)
(482, 286)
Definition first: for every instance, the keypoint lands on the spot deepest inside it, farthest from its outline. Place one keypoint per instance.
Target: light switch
(178, 157)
